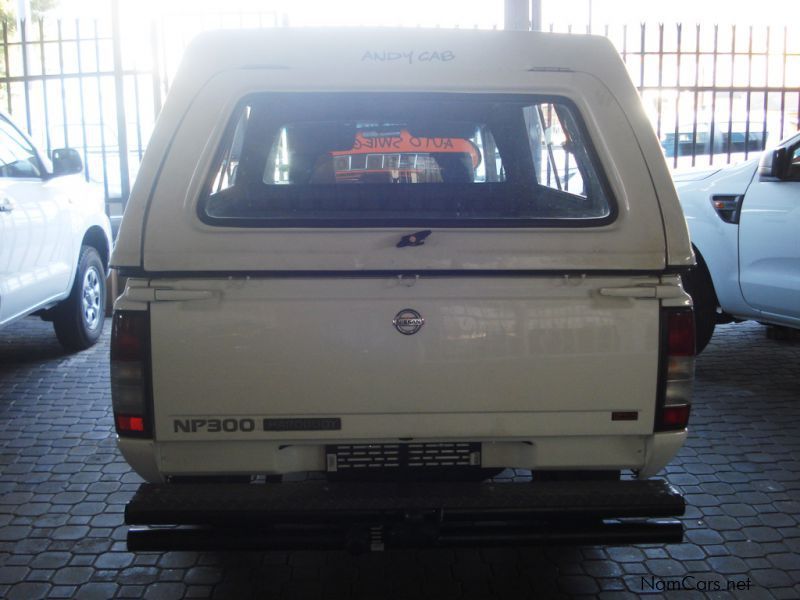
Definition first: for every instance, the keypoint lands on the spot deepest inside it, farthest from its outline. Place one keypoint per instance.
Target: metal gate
(714, 94)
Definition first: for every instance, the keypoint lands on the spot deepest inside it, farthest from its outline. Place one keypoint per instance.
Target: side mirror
(773, 165)
(66, 161)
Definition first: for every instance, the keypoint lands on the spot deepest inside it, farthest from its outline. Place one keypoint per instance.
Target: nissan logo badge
(408, 322)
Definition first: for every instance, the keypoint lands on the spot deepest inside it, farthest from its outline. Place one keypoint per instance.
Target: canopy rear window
(403, 160)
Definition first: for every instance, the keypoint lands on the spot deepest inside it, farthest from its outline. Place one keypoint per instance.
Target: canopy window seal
(401, 160)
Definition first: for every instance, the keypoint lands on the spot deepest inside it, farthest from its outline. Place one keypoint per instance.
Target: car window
(17, 157)
(323, 160)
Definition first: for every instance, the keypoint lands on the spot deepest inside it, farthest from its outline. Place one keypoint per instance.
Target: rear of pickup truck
(403, 282)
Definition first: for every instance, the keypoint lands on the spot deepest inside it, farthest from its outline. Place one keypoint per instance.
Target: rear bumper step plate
(224, 503)
(363, 516)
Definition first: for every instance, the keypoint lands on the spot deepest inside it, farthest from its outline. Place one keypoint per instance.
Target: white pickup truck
(744, 222)
(404, 260)
(55, 240)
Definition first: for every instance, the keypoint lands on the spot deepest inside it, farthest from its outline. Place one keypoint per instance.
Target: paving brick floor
(64, 486)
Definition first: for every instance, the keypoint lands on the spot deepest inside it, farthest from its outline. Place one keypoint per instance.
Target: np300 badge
(408, 322)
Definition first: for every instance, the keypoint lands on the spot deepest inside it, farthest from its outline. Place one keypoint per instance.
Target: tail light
(130, 368)
(677, 369)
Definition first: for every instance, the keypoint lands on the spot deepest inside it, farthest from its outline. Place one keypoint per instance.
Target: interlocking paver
(27, 590)
(63, 487)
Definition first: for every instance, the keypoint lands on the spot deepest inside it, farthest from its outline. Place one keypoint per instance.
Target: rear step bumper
(374, 516)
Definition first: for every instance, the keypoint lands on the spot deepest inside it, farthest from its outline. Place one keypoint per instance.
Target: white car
(325, 273)
(55, 240)
(744, 222)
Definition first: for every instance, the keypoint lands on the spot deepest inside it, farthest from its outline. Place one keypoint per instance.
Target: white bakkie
(55, 240)
(744, 221)
(401, 238)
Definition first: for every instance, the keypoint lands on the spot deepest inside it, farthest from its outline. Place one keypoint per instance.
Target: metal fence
(98, 85)
(714, 94)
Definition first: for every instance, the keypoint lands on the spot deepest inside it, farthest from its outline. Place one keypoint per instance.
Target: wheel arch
(703, 267)
(96, 238)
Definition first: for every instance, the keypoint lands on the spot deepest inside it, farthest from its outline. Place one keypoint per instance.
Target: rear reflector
(675, 416)
(129, 424)
(130, 345)
(677, 370)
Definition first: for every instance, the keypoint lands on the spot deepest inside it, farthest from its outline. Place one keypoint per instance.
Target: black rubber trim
(410, 223)
(135, 272)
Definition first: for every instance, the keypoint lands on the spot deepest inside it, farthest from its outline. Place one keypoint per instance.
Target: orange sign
(403, 142)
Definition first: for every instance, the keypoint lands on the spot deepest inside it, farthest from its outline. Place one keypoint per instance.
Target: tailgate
(320, 358)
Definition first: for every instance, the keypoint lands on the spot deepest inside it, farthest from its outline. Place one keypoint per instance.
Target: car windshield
(325, 160)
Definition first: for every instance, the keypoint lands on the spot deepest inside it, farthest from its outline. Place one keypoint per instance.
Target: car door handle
(6, 205)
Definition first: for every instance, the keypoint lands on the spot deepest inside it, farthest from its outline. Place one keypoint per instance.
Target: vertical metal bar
(783, 80)
(138, 116)
(713, 130)
(44, 88)
(8, 67)
(625, 44)
(100, 111)
(696, 93)
(730, 94)
(675, 141)
(156, 69)
(536, 15)
(766, 90)
(164, 61)
(63, 87)
(551, 163)
(84, 137)
(749, 93)
(643, 34)
(659, 103)
(566, 158)
(119, 89)
(23, 32)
